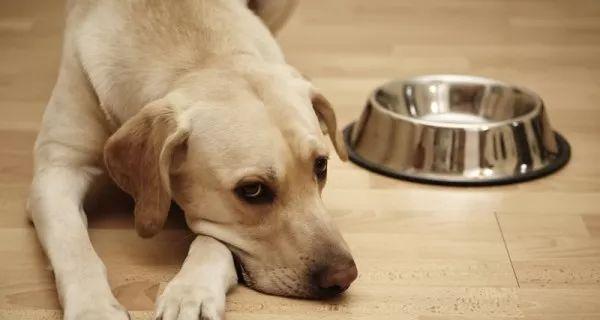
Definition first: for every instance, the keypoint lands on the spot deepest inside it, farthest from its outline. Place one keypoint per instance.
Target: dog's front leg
(67, 154)
(198, 290)
(55, 205)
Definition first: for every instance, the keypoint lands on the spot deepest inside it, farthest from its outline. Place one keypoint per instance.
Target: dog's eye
(321, 168)
(255, 193)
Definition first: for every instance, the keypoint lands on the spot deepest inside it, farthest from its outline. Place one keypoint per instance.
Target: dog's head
(246, 159)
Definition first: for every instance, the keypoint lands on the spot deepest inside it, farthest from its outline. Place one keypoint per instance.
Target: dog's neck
(218, 80)
(122, 92)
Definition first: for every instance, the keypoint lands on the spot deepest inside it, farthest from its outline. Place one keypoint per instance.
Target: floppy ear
(138, 158)
(328, 122)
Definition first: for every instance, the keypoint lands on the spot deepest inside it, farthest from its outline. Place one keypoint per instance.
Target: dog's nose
(335, 279)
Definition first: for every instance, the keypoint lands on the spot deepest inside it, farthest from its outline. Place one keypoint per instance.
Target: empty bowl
(456, 130)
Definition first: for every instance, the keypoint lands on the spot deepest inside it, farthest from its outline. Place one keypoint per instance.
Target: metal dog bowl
(456, 130)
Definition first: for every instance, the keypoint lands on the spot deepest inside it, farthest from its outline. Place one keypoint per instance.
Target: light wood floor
(527, 251)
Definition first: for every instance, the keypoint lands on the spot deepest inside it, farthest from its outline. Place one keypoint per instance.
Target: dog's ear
(328, 123)
(138, 157)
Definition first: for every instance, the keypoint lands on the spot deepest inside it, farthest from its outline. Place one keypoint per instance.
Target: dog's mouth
(278, 284)
(245, 278)
(242, 274)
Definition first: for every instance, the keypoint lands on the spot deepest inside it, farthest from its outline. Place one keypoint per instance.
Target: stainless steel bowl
(457, 130)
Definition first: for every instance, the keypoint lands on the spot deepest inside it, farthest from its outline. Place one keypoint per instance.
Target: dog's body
(190, 101)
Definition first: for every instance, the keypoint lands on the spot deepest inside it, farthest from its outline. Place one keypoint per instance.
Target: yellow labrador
(189, 101)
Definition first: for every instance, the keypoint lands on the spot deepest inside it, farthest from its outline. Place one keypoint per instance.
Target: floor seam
(506, 248)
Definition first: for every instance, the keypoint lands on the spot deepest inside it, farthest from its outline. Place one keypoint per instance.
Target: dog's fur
(183, 101)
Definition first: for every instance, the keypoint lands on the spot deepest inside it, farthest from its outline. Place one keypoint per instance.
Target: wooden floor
(527, 251)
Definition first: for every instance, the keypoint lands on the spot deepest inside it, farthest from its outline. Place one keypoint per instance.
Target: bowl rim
(458, 78)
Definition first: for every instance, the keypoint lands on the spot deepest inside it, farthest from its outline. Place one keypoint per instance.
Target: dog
(189, 101)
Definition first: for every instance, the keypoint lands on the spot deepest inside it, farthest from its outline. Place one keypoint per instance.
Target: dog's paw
(97, 310)
(182, 301)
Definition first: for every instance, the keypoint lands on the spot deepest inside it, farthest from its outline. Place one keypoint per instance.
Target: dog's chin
(245, 278)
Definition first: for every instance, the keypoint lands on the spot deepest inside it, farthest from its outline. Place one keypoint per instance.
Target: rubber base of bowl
(564, 154)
